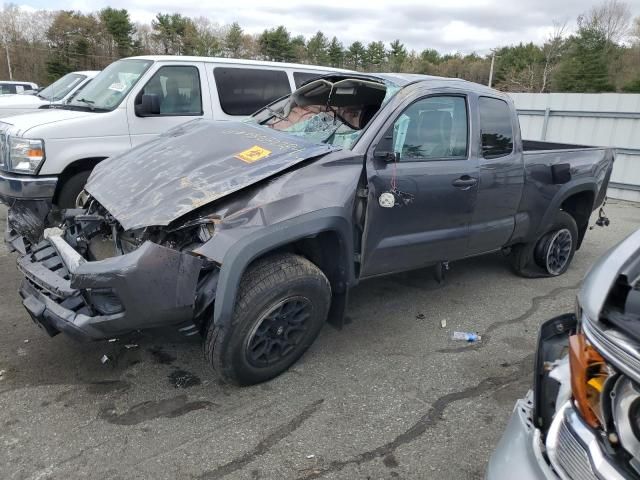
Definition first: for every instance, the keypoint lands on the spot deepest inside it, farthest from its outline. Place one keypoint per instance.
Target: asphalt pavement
(390, 396)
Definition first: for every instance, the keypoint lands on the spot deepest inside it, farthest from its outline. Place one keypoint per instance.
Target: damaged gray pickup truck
(252, 233)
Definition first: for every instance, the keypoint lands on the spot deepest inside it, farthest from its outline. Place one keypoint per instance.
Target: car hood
(21, 101)
(603, 274)
(190, 166)
(23, 123)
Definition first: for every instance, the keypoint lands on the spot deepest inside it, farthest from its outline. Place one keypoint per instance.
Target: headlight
(588, 374)
(25, 155)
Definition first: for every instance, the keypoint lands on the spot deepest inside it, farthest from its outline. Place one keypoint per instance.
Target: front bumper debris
(28, 187)
(149, 287)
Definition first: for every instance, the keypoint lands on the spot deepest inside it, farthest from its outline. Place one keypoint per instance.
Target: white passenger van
(58, 93)
(46, 157)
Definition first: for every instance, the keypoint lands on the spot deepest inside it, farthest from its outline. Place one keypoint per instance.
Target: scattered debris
(311, 456)
(105, 359)
(22, 352)
(420, 316)
(443, 323)
(112, 340)
(2, 372)
(26, 340)
(183, 379)
(129, 346)
(466, 336)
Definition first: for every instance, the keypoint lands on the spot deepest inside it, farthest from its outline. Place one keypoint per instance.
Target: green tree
(356, 55)
(175, 33)
(317, 49)
(275, 45)
(585, 67)
(376, 56)
(299, 49)
(74, 45)
(335, 53)
(397, 56)
(233, 41)
(120, 27)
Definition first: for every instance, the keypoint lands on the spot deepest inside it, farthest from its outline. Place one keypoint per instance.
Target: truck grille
(572, 456)
(47, 274)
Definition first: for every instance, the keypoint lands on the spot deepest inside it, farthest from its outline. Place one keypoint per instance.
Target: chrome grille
(615, 346)
(572, 456)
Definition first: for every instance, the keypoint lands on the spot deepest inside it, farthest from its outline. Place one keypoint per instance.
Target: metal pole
(6, 48)
(493, 59)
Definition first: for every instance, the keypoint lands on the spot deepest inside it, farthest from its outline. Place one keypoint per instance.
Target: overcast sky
(446, 25)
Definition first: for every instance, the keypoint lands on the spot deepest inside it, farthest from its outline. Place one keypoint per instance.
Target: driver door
(423, 180)
(181, 97)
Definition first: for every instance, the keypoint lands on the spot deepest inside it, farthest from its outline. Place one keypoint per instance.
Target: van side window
(301, 77)
(178, 88)
(243, 91)
(433, 128)
(496, 127)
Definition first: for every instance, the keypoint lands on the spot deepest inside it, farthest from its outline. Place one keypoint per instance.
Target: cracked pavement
(390, 396)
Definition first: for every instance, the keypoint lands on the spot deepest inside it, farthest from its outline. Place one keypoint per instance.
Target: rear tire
(551, 254)
(71, 189)
(282, 303)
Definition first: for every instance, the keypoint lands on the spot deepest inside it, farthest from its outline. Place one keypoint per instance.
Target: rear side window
(243, 91)
(301, 77)
(495, 127)
(10, 88)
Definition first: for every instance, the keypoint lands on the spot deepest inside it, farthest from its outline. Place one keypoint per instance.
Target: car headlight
(589, 372)
(26, 155)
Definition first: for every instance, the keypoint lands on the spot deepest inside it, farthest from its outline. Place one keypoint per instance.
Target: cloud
(455, 25)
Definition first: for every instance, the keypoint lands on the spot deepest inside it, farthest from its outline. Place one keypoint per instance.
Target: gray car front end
(560, 430)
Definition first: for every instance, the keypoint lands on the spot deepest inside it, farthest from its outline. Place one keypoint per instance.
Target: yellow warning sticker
(253, 154)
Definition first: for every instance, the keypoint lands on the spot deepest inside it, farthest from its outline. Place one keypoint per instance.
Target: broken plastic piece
(443, 323)
(129, 346)
(420, 316)
(466, 336)
(105, 359)
(311, 456)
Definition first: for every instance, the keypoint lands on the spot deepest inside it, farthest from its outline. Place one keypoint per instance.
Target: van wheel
(282, 303)
(551, 254)
(72, 188)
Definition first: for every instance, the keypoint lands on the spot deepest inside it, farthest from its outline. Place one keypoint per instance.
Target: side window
(178, 89)
(301, 77)
(432, 128)
(243, 91)
(7, 88)
(495, 127)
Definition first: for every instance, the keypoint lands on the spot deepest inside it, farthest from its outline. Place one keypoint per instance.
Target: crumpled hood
(190, 166)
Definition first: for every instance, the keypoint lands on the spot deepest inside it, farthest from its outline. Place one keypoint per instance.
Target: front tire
(282, 303)
(71, 189)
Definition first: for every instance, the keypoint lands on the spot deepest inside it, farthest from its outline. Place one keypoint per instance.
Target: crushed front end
(93, 280)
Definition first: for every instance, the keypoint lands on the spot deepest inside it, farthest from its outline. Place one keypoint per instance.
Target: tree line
(602, 54)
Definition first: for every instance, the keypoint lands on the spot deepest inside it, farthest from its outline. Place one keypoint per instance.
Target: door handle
(465, 182)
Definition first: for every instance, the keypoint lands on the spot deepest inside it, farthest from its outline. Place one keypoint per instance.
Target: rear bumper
(149, 287)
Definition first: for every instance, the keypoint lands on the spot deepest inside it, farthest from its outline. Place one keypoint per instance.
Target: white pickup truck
(55, 94)
(46, 157)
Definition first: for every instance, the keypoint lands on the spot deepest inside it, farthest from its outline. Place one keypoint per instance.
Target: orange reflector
(588, 374)
(35, 152)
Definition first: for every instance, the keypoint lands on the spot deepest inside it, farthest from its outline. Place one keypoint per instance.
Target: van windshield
(328, 110)
(109, 87)
(61, 87)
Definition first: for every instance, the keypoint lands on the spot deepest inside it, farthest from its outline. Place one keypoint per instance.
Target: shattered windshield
(325, 111)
